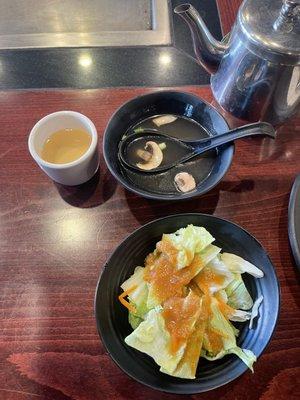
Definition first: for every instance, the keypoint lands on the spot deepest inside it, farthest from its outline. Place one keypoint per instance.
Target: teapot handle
(289, 12)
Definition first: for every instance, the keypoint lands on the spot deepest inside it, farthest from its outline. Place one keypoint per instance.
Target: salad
(182, 303)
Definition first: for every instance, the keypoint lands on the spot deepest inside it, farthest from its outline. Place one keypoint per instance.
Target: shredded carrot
(126, 303)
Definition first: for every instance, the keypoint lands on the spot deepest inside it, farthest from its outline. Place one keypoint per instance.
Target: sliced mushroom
(144, 155)
(164, 119)
(184, 182)
(154, 157)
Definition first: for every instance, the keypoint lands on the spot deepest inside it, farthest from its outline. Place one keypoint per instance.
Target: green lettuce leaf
(152, 338)
(214, 277)
(218, 323)
(238, 295)
(240, 316)
(200, 260)
(134, 320)
(208, 254)
(138, 297)
(238, 264)
(235, 330)
(187, 366)
(247, 356)
(188, 241)
(223, 295)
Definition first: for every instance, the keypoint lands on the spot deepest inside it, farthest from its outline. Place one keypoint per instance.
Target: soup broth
(181, 128)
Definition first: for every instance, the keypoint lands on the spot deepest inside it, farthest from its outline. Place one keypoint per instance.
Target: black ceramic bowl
(112, 317)
(294, 220)
(166, 102)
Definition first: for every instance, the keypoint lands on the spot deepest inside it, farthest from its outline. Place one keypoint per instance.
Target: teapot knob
(289, 12)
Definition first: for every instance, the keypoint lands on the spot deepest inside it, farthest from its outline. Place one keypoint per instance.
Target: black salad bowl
(294, 221)
(112, 317)
(166, 102)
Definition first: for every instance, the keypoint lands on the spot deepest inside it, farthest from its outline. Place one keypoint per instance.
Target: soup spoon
(153, 159)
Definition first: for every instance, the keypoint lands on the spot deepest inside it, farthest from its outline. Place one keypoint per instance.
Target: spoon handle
(256, 129)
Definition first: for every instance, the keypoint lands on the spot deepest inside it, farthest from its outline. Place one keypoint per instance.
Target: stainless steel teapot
(256, 71)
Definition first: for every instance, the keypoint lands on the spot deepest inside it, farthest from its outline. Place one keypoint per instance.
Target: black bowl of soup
(178, 114)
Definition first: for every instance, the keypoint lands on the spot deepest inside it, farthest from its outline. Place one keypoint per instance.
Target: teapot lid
(272, 29)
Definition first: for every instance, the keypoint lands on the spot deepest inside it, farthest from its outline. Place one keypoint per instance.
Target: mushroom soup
(156, 153)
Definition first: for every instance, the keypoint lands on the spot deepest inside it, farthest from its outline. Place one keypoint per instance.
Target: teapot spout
(208, 50)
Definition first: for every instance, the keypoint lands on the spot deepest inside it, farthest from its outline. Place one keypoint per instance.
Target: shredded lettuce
(254, 312)
(238, 295)
(134, 320)
(238, 264)
(247, 356)
(240, 316)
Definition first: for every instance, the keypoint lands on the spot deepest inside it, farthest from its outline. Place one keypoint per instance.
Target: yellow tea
(66, 145)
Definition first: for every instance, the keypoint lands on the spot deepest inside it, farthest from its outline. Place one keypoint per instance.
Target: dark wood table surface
(54, 241)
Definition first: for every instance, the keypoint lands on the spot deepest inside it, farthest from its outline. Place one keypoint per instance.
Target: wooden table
(54, 241)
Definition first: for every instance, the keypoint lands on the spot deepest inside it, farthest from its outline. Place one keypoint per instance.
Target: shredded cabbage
(254, 312)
